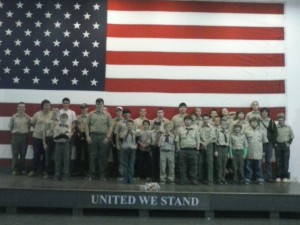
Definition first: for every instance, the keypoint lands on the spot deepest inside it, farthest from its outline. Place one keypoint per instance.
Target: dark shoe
(194, 182)
(89, 178)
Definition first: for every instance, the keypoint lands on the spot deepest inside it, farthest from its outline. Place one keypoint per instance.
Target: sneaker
(31, 174)
(278, 179)
(285, 180)
(162, 183)
(23, 172)
(260, 183)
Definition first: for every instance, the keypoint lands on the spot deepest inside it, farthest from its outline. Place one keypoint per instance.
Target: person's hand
(89, 140)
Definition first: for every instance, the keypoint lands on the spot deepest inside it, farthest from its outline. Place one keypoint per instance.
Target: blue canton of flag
(52, 45)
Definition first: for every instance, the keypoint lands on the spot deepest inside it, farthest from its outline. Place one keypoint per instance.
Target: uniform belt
(188, 149)
(94, 133)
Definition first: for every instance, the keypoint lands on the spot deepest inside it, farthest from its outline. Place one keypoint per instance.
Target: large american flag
(140, 53)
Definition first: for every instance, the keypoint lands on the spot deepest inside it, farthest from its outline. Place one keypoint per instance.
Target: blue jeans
(253, 165)
(38, 152)
(282, 154)
(127, 163)
(268, 150)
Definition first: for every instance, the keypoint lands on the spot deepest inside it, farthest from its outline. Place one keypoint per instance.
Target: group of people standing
(186, 149)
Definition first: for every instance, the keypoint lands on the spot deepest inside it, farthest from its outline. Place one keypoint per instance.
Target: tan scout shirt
(82, 121)
(252, 114)
(238, 141)
(38, 123)
(128, 139)
(120, 127)
(285, 133)
(138, 123)
(145, 140)
(19, 123)
(207, 134)
(167, 142)
(222, 137)
(255, 138)
(99, 122)
(188, 137)
(162, 123)
(177, 122)
(50, 124)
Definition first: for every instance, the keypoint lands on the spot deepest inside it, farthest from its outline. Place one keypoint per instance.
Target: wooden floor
(78, 195)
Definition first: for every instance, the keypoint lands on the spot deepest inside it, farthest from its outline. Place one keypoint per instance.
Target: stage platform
(81, 196)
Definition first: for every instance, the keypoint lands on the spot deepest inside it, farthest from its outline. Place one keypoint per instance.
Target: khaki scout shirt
(99, 122)
(255, 138)
(128, 139)
(165, 145)
(120, 126)
(162, 121)
(82, 121)
(38, 123)
(238, 141)
(222, 137)
(19, 123)
(138, 123)
(145, 139)
(252, 114)
(207, 134)
(188, 137)
(177, 122)
(285, 133)
(50, 124)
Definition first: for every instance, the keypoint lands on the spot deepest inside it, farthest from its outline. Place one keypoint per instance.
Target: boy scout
(207, 138)
(48, 142)
(160, 118)
(238, 151)
(178, 120)
(19, 126)
(155, 136)
(221, 151)
(239, 120)
(187, 142)
(256, 138)
(98, 134)
(128, 144)
(62, 134)
(282, 149)
(167, 157)
(255, 111)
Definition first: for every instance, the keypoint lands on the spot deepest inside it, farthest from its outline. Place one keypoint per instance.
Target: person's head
(21, 107)
(194, 116)
(188, 120)
(167, 127)
(264, 112)
(99, 104)
(281, 118)
(84, 108)
(224, 112)
(254, 105)
(237, 128)
(119, 111)
(217, 121)
(46, 105)
(66, 103)
(213, 113)
(157, 125)
(182, 108)
(224, 123)
(146, 124)
(126, 114)
(205, 119)
(197, 112)
(160, 113)
(55, 112)
(63, 118)
(143, 112)
(254, 122)
(240, 115)
(130, 124)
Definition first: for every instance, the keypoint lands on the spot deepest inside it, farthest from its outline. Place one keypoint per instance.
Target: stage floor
(79, 195)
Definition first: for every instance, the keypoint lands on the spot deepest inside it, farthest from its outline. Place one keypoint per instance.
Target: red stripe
(192, 6)
(194, 59)
(194, 86)
(195, 32)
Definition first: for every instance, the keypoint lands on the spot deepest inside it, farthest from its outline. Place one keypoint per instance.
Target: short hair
(44, 102)
(146, 121)
(187, 117)
(205, 115)
(265, 110)
(125, 111)
(66, 99)
(280, 115)
(64, 115)
(160, 108)
(239, 112)
(182, 104)
(130, 121)
(237, 125)
(254, 119)
(21, 103)
(99, 100)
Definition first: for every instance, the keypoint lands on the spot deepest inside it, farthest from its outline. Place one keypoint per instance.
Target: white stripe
(142, 99)
(195, 19)
(5, 152)
(194, 45)
(4, 122)
(194, 72)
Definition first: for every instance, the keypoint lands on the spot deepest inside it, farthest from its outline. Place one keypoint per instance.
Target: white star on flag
(55, 62)
(54, 80)
(36, 62)
(26, 70)
(66, 52)
(35, 80)
(46, 70)
(74, 81)
(75, 62)
(77, 6)
(65, 71)
(94, 82)
(84, 72)
(46, 52)
(67, 15)
(16, 80)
